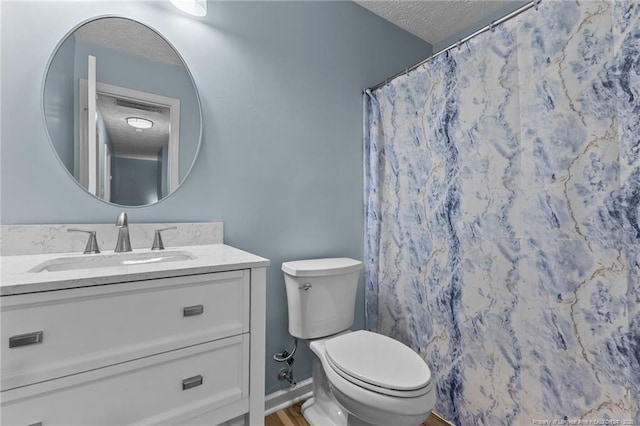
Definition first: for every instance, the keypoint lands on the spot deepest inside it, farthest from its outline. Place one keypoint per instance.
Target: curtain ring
(458, 44)
(492, 26)
(536, 3)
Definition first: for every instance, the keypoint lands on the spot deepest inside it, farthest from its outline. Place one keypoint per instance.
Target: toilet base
(316, 416)
(331, 406)
(355, 421)
(322, 409)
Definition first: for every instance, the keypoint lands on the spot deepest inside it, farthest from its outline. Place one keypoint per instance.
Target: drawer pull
(192, 382)
(35, 424)
(26, 339)
(190, 311)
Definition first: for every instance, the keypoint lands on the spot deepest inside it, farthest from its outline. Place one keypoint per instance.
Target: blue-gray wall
(134, 181)
(60, 96)
(281, 158)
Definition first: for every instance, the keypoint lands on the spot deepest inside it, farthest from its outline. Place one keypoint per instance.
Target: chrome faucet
(123, 243)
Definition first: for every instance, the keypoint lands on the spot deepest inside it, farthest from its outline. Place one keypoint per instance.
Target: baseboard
(284, 398)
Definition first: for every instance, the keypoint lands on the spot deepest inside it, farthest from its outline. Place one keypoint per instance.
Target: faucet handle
(92, 242)
(158, 244)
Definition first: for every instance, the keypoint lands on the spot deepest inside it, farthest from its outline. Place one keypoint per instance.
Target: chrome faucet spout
(122, 220)
(123, 243)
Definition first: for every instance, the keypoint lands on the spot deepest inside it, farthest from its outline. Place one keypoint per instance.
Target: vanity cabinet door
(168, 388)
(54, 334)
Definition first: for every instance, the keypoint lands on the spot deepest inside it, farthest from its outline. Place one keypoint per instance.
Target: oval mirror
(122, 111)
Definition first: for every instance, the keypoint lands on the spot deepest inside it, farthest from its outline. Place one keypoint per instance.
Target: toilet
(359, 377)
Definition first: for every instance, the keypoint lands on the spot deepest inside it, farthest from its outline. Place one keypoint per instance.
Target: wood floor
(292, 416)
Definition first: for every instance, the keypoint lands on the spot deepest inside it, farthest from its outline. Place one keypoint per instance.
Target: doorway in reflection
(136, 148)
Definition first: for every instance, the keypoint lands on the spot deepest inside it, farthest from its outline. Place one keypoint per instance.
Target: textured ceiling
(118, 33)
(433, 21)
(126, 141)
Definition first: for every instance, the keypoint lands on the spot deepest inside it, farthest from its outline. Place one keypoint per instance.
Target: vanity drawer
(166, 388)
(93, 327)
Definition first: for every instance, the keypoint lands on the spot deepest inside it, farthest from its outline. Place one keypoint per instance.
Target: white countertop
(15, 278)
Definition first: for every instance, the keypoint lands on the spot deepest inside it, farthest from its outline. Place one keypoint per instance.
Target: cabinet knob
(26, 339)
(192, 382)
(189, 311)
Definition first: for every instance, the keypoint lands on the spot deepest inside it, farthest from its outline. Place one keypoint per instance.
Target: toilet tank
(321, 295)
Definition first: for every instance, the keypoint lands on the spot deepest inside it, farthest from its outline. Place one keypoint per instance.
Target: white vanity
(144, 337)
(146, 343)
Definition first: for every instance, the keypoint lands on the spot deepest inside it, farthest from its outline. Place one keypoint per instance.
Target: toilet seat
(378, 363)
(372, 404)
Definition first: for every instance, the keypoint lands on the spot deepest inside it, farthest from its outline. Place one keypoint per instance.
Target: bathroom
(281, 166)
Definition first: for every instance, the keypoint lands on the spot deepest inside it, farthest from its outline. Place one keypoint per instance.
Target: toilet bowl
(401, 393)
(359, 377)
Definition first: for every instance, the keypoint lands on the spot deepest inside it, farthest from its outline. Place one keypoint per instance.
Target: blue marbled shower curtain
(502, 218)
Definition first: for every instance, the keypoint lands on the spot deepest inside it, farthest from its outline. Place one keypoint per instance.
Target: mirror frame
(44, 117)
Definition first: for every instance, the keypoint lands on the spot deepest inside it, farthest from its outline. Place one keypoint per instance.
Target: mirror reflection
(122, 111)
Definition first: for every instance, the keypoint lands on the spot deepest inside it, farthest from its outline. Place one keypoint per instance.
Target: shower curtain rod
(459, 43)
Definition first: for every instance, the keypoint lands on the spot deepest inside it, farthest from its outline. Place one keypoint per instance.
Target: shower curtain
(502, 238)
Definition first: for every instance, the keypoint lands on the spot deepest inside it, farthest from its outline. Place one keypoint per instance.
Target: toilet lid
(321, 267)
(378, 360)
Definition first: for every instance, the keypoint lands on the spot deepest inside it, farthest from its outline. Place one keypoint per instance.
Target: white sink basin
(91, 261)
